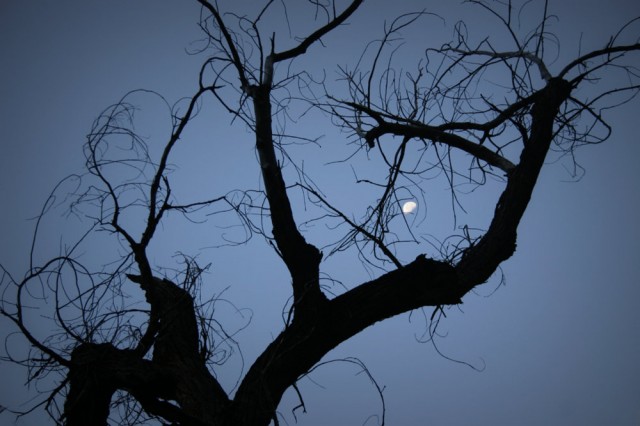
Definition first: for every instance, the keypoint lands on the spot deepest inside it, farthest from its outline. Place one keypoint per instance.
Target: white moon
(409, 207)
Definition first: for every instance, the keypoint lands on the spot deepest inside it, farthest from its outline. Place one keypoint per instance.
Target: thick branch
(435, 134)
(176, 372)
(98, 370)
(302, 259)
(499, 243)
(423, 282)
(414, 129)
(176, 348)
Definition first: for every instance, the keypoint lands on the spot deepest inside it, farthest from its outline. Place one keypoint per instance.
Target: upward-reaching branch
(317, 35)
(159, 357)
(480, 261)
(423, 282)
(302, 259)
(235, 56)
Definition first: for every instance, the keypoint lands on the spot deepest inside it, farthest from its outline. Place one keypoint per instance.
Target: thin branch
(596, 53)
(317, 35)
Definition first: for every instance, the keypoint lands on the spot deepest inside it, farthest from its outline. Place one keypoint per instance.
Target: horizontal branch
(423, 282)
(437, 135)
(594, 54)
(521, 54)
(441, 134)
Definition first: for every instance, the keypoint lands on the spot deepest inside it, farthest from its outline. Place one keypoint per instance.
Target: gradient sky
(558, 344)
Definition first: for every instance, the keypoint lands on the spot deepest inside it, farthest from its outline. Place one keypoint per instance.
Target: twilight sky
(557, 345)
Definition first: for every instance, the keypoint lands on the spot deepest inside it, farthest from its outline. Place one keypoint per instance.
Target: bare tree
(158, 360)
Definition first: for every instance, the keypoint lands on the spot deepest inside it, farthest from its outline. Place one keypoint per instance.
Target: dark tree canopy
(477, 111)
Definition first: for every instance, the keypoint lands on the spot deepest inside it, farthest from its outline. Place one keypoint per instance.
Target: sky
(557, 344)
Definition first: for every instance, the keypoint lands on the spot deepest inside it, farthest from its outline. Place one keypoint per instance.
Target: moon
(409, 207)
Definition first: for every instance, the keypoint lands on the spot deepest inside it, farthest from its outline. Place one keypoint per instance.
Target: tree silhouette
(447, 119)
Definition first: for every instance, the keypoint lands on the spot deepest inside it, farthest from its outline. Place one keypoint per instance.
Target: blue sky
(558, 343)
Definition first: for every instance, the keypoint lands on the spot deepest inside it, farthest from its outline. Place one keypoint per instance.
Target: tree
(158, 361)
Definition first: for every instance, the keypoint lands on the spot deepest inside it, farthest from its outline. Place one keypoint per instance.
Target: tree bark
(176, 371)
(424, 282)
(302, 259)
(499, 242)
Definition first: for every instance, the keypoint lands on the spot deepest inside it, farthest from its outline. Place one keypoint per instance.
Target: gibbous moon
(409, 207)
